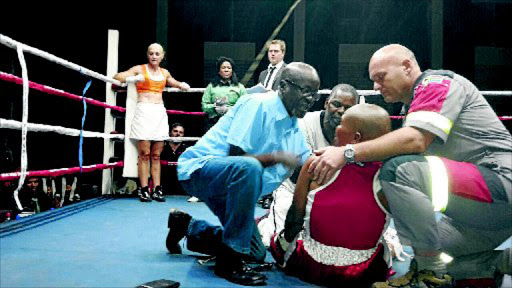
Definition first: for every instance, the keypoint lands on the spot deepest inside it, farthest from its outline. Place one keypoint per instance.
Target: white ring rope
(184, 138)
(32, 127)
(24, 120)
(13, 44)
(328, 91)
(12, 124)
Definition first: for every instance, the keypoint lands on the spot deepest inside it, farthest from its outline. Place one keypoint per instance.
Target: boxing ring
(106, 241)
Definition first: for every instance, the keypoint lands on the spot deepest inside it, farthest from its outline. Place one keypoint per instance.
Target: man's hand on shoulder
(329, 160)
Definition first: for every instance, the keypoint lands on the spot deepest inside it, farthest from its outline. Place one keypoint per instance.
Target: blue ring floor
(113, 242)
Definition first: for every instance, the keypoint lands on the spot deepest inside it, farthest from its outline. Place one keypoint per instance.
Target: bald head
(393, 70)
(298, 71)
(298, 87)
(370, 120)
(395, 51)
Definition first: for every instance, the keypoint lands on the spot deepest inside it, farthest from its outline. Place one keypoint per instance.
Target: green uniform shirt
(212, 93)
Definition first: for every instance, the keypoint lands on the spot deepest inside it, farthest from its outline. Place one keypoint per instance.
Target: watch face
(349, 153)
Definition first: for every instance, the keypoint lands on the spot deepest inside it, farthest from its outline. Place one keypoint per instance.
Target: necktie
(269, 76)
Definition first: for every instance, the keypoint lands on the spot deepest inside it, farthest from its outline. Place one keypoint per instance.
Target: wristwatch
(350, 153)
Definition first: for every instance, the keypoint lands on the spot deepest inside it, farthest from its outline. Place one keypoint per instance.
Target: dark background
(77, 32)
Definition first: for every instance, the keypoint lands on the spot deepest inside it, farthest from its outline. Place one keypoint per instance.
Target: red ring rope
(53, 91)
(503, 118)
(60, 172)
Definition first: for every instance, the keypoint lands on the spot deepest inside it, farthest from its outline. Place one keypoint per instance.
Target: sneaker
(415, 279)
(76, 197)
(194, 199)
(158, 194)
(178, 225)
(144, 194)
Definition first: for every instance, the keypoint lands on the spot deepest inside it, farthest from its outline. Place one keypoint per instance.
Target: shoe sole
(259, 282)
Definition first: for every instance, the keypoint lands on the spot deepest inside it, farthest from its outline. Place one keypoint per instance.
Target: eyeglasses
(309, 94)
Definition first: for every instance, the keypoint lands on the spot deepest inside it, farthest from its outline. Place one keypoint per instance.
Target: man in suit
(269, 78)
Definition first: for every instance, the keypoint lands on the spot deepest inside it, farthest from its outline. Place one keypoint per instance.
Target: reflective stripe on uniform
(439, 178)
(433, 118)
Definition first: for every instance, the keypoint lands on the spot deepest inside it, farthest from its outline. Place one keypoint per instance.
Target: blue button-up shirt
(258, 124)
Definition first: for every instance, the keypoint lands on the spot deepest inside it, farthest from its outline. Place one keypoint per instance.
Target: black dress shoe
(266, 203)
(178, 225)
(239, 273)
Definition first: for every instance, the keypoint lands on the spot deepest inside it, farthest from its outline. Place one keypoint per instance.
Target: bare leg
(156, 149)
(143, 147)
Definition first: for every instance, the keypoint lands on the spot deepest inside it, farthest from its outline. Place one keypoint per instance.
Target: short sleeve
(247, 128)
(437, 103)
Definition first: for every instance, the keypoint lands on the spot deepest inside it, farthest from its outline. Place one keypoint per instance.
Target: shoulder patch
(434, 79)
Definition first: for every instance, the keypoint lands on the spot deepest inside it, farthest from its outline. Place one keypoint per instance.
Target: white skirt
(150, 122)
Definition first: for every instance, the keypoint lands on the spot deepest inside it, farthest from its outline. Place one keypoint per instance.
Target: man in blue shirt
(250, 151)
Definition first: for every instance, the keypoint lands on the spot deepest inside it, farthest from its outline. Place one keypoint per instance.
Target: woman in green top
(223, 92)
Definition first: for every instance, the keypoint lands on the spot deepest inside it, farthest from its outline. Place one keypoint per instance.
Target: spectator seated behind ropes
(223, 92)
(333, 232)
(33, 198)
(171, 152)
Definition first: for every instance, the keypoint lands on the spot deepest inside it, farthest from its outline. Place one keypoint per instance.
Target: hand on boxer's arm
(330, 159)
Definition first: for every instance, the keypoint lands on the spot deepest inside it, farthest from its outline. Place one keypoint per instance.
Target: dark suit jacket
(264, 73)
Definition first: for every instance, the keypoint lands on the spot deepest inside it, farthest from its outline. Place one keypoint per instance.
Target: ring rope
(24, 120)
(43, 88)
(59, 172)
(502, 118)
(328, 91)
(72, 170)
(13, 44)
(184, 138)
(33, 127)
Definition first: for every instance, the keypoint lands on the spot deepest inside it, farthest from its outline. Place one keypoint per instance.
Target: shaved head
(298, 87)
(393, 70)
(157, 47)
(394, 52)
(370, 120)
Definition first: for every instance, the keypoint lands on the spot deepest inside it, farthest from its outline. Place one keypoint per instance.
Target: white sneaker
(193, 199)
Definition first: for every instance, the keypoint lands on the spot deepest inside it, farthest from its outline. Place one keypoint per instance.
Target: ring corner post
(108, 144)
